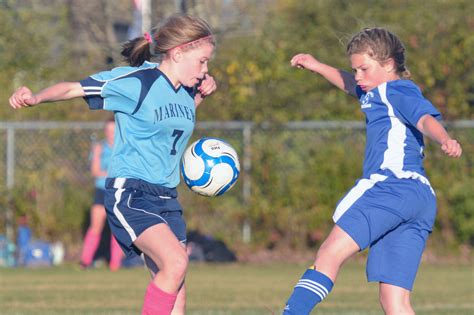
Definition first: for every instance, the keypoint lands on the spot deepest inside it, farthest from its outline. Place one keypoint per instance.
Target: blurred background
(300, 140)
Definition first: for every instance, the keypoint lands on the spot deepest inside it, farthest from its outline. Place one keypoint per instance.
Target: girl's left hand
(452, 148)
(207, 86)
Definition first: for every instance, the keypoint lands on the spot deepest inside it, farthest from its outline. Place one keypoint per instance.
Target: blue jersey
(104, 159)
(393, 142)
(154, 121)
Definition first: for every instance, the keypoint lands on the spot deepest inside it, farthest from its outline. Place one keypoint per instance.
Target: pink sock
(91, 242)
(115, 254)
(157, 301)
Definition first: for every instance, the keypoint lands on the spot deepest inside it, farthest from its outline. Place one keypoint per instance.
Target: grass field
(222, 289)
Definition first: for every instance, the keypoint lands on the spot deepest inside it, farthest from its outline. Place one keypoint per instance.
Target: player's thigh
(338, 245)
(159, 243)
(152, 266)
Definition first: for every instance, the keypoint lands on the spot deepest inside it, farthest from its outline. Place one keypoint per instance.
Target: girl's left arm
(430, 127)
(207, 87)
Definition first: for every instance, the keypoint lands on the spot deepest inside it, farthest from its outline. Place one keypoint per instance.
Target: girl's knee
(176, 265)
(182, 261)
(396, 305)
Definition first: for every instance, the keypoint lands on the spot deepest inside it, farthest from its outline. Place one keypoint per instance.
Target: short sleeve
(109, 90)
(93, 92)
(411, 109)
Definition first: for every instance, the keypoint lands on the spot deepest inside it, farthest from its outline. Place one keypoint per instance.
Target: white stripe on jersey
(355, 193)
(394, 155)
(92, 90)
(414, 175)
(96, 90)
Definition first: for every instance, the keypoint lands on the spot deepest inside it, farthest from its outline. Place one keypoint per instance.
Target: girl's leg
(116, 254)
(317, 281)
(159, 244)
(334, 251)
(395, 300)
(180, 304)
(92, 238)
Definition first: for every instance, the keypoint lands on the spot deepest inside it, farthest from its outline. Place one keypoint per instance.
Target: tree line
(43, 42)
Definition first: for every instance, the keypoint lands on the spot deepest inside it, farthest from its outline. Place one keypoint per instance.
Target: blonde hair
(177, 30)
(381, 45)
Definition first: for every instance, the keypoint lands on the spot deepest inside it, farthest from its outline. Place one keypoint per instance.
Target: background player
(100, 158)
(154, 106)
(392, 208)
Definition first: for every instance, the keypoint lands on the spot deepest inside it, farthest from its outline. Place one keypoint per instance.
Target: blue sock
(309, 291)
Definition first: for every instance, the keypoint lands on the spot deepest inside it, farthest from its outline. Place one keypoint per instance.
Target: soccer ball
(210, 166)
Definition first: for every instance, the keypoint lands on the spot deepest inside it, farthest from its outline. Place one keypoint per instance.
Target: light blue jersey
(104, 159)
(154, 121)
(393, 142)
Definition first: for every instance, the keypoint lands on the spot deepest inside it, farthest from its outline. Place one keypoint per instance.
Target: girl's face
(369, 73)
(193, 66)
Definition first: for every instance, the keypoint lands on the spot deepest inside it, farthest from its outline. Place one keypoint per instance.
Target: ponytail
(182, 31)
(136, 51)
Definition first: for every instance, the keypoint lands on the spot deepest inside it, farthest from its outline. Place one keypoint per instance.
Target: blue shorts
(393, 217)
(133, 205)
(99, 196)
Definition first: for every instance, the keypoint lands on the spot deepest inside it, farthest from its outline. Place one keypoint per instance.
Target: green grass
(223, 289)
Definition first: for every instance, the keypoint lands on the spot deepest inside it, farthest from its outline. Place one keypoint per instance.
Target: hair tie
(148, 37)
(151, 43)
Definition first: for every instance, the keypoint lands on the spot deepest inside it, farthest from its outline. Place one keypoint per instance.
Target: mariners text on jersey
(173, 110)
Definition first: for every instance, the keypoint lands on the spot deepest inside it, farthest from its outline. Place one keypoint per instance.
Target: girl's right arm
(23, 97)
(341, 79)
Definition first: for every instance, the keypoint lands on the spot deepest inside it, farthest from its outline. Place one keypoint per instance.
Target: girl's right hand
(23, 97)
(304, 61)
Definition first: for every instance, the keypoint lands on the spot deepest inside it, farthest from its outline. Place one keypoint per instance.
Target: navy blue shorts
(99, 196)
(133, 205)
(393, 217)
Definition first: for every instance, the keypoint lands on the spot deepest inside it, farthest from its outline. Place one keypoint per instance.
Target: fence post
(246, 182)
(10, 181)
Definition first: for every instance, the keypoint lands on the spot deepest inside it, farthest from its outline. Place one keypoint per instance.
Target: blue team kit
(392, 208)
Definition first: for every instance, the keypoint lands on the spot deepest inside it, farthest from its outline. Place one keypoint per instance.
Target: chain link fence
(292, 175)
